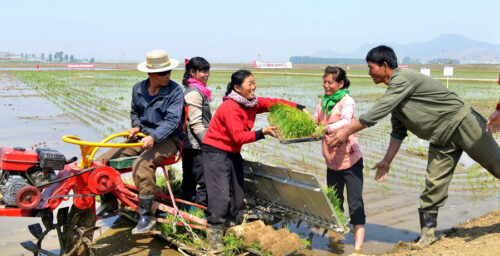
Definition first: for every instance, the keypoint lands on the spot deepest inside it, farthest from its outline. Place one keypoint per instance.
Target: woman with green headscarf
(345, 162)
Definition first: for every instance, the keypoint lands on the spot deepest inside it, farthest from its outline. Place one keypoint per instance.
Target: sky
(234, 31)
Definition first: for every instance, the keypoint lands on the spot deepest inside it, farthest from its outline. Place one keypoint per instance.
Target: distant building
(7, 56)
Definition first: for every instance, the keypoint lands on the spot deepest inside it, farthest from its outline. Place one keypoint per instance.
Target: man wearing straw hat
(157, 109)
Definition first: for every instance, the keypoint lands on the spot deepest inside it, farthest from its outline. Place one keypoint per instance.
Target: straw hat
(157, 61)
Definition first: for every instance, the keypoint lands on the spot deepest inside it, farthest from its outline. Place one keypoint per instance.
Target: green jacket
(420, 104)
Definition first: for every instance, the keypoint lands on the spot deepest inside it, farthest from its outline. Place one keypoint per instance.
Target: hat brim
(143, 68)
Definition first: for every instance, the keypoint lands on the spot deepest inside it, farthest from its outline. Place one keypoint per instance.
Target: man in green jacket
(425, 107)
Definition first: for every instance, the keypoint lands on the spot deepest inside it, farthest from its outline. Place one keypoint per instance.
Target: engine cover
(11, 187)
(50, 159)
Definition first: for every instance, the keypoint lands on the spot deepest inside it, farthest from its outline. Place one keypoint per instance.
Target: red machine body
(17, 159)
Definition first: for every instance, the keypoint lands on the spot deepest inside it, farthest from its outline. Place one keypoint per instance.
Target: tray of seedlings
(294, 125)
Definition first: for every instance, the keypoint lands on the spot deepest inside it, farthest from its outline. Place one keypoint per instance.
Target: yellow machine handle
(88, 149)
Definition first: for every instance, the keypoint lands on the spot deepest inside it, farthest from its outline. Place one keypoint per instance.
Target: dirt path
(478, 236)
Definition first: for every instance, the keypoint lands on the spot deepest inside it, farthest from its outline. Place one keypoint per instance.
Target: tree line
(56, 57)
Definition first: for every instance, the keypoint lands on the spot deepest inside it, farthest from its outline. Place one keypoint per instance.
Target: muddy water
(29, 120)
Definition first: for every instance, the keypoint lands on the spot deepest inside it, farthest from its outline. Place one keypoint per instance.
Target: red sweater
(232, 124)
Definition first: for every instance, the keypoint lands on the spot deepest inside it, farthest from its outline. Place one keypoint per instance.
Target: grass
(291, 122)
(181, 233)
(176, 185)
(331, 193)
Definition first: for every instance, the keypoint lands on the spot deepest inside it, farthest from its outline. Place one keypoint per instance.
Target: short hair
(381, 54)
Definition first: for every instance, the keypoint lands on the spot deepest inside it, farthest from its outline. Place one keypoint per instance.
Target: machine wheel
(28, 197)
(79, 231)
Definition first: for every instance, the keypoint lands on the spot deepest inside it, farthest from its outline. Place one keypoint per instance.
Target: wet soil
(118, 240)
(478, 236)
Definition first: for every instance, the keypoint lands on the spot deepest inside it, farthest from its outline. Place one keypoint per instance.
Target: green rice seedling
(233, 245)
(306, 242)
(175, 185)
(254, 246)
(291, 122)
(331, 193)
(181, 233)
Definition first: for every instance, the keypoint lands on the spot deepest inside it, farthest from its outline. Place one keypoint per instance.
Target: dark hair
(338, 75)
(381, 54)
(195, 64)
(237, 79)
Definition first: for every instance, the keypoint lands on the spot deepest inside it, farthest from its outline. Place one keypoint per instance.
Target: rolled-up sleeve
(399, 131)
(396, 92)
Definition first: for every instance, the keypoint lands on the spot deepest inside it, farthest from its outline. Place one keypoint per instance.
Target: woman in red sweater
(229, 129)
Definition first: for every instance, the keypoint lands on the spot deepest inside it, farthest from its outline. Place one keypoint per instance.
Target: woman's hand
(269, 131)
(133, 133)
(148, 142)
(382, 170)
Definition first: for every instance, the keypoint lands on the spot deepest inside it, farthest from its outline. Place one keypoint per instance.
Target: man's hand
(338, 137)
(133, 133)
(493, 124)
(382, 170)
(269, 131)
(148, 142)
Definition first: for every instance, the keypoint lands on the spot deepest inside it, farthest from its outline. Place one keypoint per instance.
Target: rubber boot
(214, 237)
(428, 223)
(147, 219)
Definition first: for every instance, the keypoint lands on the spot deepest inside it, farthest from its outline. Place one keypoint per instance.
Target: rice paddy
(101, 99)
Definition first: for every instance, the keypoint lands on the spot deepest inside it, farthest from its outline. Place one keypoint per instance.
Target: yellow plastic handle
(75, 140)
(88, 149)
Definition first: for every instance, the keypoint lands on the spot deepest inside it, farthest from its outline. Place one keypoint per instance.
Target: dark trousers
(193, 180)
(352, 179)
(224, 181)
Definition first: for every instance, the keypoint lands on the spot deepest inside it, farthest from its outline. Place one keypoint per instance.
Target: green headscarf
(329, 101)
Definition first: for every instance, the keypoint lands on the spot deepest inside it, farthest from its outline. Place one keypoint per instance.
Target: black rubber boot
(428, 223)
(147, 220)
(214, 237)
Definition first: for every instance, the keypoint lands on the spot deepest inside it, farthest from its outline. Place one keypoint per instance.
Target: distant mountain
(448, 46)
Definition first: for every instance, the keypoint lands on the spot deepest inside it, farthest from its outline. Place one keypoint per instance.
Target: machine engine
(21, 168)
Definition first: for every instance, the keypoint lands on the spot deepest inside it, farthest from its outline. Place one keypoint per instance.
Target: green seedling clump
(291, 122)
(181, 233)
(331, 193)
(176, 185)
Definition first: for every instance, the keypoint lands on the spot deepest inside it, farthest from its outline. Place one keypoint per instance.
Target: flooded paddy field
(93, 104)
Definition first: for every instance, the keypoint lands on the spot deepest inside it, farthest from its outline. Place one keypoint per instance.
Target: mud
(118, 240)
(478, 236)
